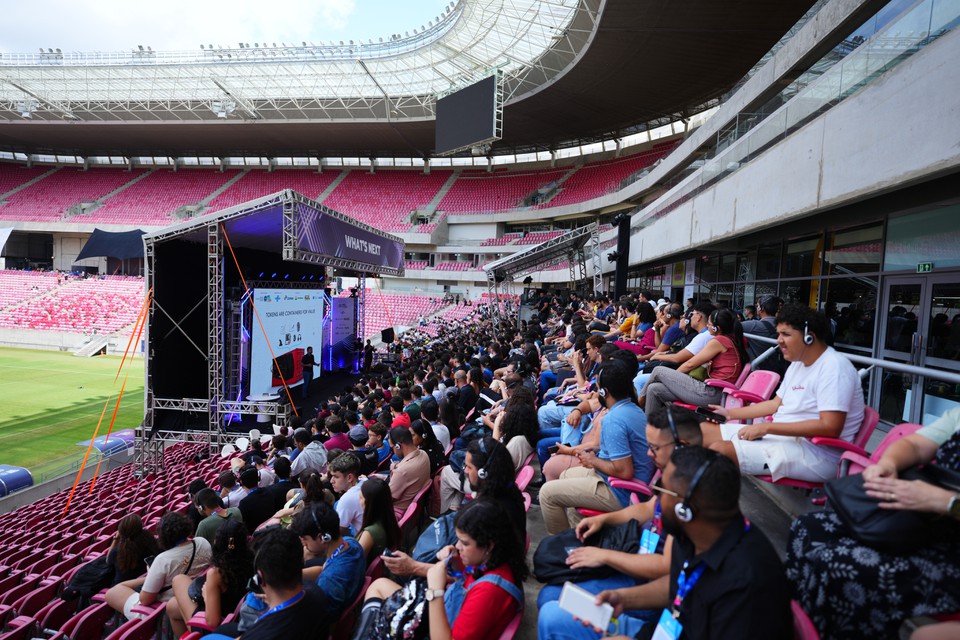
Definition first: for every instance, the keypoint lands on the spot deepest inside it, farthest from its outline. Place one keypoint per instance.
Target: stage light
(311, 277)
(286, 275)
(274, 276)
(261, 274)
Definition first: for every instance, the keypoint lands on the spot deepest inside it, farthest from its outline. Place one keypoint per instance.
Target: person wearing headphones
(725, 581)
(335, 562)
(725, 356)
(622, 454)
(411, 473)
(667, 430)
(820, 395)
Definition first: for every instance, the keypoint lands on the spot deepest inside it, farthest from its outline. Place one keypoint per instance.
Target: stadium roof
(573, 69)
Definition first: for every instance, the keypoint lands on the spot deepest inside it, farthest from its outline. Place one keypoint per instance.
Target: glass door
(921, 327)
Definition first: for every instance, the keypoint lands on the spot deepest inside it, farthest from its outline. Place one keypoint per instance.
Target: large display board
(467, 117)
(292, 321)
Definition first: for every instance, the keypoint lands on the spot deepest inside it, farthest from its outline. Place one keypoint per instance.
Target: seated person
(426, 441)
(411, 474)
(379, 530)
(377, 439)
(693, 323)
(257, 507)
(368, 456)
(623, 454)
(222, 587)
(430, 411)
(725, 356)
(279, 489)
(344, 476)
(181, 555)
(735, 585)
(214, 514)
(516, 427)
(334, 562)
(820, 395)
(131, 546)
(476, 588)
(296, 610)
(891, 585)
(667, 430)
(311, 456)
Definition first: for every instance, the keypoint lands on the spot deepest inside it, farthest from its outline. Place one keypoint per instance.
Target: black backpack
(89, 580)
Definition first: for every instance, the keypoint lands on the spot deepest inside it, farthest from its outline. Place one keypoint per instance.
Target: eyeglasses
(657, 487)
(655, 448)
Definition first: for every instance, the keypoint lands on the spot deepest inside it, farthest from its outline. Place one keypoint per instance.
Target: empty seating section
(153, 200)
(47, 199)
(600, 178)
(12, 176)
(538, 237)
(384, 200)
(396, 310)
(39, 558)
(454, 266)
(416, 265)
(502, 241)
(481, 192)
(17, 286)
(105, 304)
(257, 184)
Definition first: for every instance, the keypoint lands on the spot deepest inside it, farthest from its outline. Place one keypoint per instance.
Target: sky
(182, 25)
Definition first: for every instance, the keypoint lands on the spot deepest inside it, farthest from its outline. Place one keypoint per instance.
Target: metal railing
(869, 363)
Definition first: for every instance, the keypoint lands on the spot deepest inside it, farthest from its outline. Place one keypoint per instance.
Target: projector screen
(292, 320)
(467, 117)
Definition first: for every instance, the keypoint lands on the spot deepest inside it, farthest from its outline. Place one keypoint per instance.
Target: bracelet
(577, 409)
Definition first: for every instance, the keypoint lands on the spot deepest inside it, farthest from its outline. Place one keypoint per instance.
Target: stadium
(178, 227)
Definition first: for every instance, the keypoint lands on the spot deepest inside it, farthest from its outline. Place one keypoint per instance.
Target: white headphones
(808, 337)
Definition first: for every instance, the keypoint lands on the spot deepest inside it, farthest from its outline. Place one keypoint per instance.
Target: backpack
(550, 558)
(89, 580)
(438, 535)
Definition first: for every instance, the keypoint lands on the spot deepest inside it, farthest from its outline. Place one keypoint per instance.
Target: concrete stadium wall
(57, 341)
(900, 130)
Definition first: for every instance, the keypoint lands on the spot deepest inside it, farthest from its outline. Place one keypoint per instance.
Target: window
(802, 258)
(855, 251)
(931, 236)
(768, 262)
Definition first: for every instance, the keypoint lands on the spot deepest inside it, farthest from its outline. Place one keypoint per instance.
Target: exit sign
(924, 267)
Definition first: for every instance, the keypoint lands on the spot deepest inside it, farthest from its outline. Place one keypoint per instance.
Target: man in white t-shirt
(820, 395)
(344, 474)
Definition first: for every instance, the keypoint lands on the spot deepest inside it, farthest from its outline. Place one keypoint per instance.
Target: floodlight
(140, 46)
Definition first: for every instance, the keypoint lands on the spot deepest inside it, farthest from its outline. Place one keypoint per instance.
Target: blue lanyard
(343, 546)
(624, 401)
(283, 605)
(685, 584)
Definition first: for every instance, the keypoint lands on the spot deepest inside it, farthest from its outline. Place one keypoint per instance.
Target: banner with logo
(320, 232)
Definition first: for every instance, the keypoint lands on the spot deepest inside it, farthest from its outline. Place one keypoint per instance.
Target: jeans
(547, 380)
(553, 623)
(617, 581)
(641, 380)
(307, 379)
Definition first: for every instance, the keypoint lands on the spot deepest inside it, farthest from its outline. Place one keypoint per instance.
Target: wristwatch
(433, 594)
(953, 507)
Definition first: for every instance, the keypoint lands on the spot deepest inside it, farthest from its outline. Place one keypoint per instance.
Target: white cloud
(119, 25)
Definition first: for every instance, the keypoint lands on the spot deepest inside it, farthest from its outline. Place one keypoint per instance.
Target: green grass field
(50, 401)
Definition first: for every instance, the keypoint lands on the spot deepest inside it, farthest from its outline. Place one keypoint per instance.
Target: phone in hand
(581, 603)
(455, 566)
(387, 553)
(712, 416)
(552, 449)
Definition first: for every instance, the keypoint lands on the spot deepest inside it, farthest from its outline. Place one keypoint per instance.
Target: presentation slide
(292, 320)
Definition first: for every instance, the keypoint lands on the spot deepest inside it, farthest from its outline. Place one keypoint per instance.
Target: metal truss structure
(219, 409)
(531, 42)
(570, 247)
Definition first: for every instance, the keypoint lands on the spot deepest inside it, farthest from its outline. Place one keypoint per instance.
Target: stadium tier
(154, 199)
(49, 199)
(416, 265)
(384, 310)
(256, 184)
(12, 176)
(103, 305)
(386, 199)
(18, 286)
(481, 192)
(454, 266)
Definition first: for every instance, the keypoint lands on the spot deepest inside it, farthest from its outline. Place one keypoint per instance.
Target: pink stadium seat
(477, 191)
(89, 623)
(524, 477)
(48, 199)
(32, 602)
(803, 628)
(344, 626)
(385, 199)
(514, 625)
(852, 462)
(20, 628)
(55, 614)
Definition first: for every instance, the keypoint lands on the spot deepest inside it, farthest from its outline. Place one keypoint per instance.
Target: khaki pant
(577, 487)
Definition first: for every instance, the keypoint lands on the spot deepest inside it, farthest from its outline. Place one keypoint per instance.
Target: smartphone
(149, 560)
(581, 603)
(387, 553)
(552, 449)
(712, 416)
(455, 566)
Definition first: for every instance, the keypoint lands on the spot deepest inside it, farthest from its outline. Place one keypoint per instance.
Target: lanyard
(283, 605)
(624, 401)
(343, 545)
(657, 520)
(685, 584)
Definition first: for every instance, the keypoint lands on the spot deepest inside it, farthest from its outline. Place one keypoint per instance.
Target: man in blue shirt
(623, 454)
(336, 563)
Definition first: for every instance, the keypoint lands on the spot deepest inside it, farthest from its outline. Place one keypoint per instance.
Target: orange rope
(259, 321)
(85, 458)
(141, 320)
(113, 419)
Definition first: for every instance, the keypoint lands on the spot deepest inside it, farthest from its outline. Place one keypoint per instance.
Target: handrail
(933, 374)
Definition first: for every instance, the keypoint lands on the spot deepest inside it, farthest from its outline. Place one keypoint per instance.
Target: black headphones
(482, 471)
(324, 537)
(713, 321)
(601, 390)
(684, 510)
(807, 336)
(673, 428)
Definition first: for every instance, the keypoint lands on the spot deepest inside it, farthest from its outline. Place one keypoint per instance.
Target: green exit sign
(924, 267)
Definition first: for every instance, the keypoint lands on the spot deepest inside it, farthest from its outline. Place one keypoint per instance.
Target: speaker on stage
(387, 335)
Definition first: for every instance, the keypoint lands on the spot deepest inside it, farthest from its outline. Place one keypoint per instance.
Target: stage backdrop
(292, 319)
